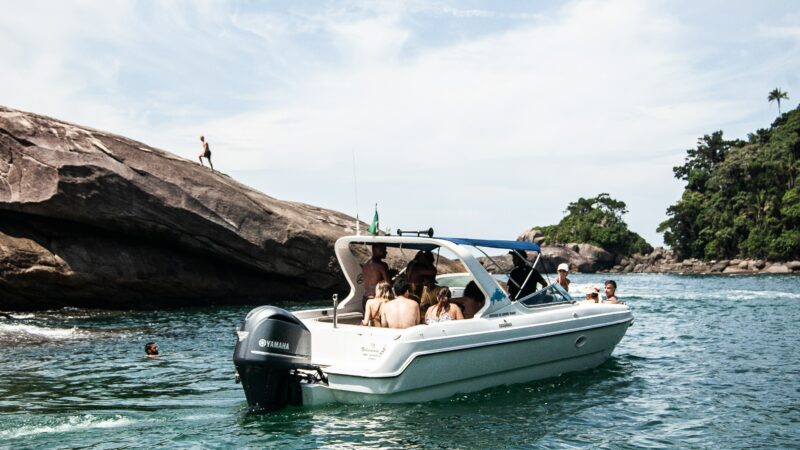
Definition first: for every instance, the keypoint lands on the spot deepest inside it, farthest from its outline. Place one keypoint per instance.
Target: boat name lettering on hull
(372, 352)
(512, 313)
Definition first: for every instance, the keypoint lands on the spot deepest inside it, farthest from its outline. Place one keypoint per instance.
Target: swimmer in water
(151, 349)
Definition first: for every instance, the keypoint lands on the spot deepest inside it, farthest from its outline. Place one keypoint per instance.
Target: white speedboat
(325, 355)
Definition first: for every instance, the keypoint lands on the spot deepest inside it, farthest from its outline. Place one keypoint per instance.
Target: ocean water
(710, 362)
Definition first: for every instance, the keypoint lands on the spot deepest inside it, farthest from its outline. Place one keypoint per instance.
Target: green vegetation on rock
(597, 221)
(742, 197)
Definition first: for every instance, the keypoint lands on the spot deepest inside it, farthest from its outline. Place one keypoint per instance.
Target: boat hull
(445, 373)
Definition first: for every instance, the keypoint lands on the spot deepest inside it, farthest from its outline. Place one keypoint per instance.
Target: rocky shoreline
(587, 258)
(662, 260)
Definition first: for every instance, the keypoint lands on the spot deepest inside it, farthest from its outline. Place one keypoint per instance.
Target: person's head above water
(202, 138)
(151, 349)
(611, 288)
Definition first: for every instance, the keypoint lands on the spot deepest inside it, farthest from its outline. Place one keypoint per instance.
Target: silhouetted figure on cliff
(206, 153)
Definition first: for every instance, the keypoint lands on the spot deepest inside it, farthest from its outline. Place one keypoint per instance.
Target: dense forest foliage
(742, 198)
(597, 221)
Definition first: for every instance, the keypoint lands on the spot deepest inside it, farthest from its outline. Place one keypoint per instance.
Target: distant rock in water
(89, 218)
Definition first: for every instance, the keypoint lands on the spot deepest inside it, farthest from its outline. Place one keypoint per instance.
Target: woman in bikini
(372, 310)
(443, 310)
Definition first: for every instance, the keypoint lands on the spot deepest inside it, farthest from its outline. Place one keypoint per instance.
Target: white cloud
(485, 133)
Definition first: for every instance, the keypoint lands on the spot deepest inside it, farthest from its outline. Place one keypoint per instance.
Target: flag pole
(355, 189)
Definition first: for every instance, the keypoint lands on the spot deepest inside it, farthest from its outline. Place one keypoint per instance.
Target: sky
(476, 118)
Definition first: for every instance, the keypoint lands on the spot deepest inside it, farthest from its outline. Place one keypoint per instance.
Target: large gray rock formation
(89, 218)
(580, 257)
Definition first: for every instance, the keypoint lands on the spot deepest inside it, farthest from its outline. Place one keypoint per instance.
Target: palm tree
(776, 95)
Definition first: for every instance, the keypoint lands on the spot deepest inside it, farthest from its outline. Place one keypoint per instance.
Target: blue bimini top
(511, 245)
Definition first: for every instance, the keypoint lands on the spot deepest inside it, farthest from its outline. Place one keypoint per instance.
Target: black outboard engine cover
(271, 344)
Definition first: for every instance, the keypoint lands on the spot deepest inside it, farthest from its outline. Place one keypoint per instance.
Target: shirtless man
(611, 292)
(402, 312)
(373, 272)
(206, 153)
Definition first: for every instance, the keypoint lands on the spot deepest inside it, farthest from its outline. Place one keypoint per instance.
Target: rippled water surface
(711, 362)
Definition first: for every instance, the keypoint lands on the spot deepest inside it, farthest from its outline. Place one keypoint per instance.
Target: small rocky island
(89, 218)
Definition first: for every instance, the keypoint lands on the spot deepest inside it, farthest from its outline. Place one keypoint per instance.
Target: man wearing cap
(519, 279)
(561, 278)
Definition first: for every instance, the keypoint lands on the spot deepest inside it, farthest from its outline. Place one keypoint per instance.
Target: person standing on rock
(206, 153)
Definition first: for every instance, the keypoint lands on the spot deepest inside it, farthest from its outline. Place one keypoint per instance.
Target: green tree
(741, 198)
(597, 221)
(776, 95)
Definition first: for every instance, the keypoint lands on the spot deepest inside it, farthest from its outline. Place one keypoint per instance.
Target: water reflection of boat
(324, 355)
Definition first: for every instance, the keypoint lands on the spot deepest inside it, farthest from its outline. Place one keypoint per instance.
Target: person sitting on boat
(611, 292)
(519, 277)
(372, 312)
(561, 278)
(373, 272)
(402, 312)
(443, 310)
(472, 301)
(427, 299)
(421, 272)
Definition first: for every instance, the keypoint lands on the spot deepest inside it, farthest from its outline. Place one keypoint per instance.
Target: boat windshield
(453, 281)
(547, 296)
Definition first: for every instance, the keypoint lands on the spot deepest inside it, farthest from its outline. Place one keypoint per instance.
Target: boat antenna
(355, 188)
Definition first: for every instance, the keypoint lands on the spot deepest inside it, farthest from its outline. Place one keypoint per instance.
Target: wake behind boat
(325, 355)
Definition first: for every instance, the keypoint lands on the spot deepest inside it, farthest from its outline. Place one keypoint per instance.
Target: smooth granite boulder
(92, 218)
(777, 268)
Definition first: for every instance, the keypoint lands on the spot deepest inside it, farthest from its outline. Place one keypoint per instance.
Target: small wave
(715, 295)
(22, 316)
(24, 333)
(74, 423)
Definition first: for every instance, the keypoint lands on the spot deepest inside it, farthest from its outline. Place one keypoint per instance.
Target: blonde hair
(428, 297)
(383, 290)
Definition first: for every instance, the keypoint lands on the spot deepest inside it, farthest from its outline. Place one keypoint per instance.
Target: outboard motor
(272, 344)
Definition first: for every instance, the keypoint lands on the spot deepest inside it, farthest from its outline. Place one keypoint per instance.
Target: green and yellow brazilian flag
(373, 228)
